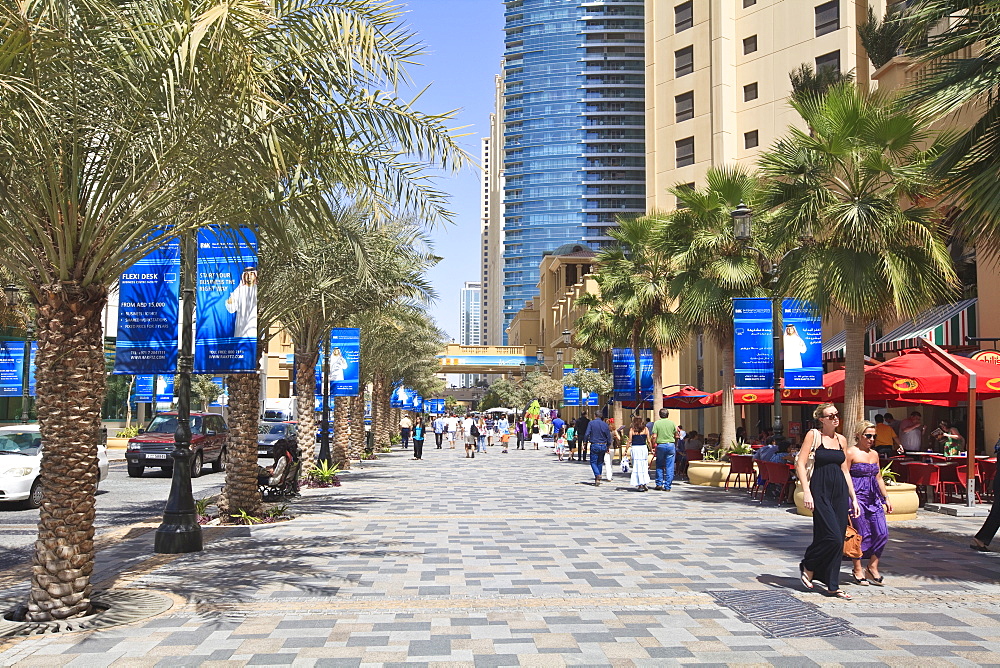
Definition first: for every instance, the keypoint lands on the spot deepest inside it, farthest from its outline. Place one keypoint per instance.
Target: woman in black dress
(829, 493)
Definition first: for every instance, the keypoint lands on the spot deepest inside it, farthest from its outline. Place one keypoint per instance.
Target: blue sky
(464, 43)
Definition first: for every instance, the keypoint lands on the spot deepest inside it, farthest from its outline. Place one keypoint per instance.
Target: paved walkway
(517, 559)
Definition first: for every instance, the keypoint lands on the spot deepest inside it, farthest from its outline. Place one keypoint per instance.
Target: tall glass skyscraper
(574, 152)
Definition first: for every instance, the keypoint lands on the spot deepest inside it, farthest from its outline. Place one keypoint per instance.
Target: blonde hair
(861, 428)
(818, 413)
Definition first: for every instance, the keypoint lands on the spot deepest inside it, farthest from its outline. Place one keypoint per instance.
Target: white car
(20, 460)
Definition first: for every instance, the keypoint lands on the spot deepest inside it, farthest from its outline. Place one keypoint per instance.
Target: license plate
(156, 456)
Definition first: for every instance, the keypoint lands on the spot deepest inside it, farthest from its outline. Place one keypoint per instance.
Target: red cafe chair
(740, 466)
(693, 455)
(988, 469)
(778, 473)
(760, 481)
(923, 476)
(954, 477)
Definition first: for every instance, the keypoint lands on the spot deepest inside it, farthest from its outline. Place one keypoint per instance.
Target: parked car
(20, 462)
(155, 443)
(276, 433)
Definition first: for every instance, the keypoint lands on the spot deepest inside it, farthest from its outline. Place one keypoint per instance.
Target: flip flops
(806, 582)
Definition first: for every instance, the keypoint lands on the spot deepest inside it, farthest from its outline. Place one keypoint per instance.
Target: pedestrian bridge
(485, 359)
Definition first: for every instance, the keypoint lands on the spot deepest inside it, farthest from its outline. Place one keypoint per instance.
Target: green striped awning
(945, 326)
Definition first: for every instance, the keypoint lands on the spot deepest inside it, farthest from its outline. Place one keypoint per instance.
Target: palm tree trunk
(357, 420)
(854, 374)
(240, 491)
(341, 438)
(728, 435)
(71, 384)
(305, 404)
(657, 382)
(638, 369)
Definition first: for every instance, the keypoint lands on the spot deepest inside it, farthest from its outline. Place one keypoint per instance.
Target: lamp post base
(178, 535)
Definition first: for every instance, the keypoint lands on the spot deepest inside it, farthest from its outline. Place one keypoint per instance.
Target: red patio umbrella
(686, 397)
(925, 373)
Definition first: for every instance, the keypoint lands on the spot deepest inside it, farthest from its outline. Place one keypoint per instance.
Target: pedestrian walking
(481, 434)
(438, 427)
(571, 441)
(418, 438)
(491, 428)
(828, 491)
(469, 428)
(521, 431)
(450, 429)
(558, 426)
(405, 425)
(638, 438)
(598, 436)
(503, 429)
(561, 446)
(873, 500)
(665, 438)
(536, 434)
(581, 431)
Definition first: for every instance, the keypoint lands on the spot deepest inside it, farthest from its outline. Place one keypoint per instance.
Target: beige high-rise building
(717, 79)
(491, 224)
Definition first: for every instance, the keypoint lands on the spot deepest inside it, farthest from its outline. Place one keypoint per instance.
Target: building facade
(491, 224)
(572, 127)
(717, 78)
(470, 323)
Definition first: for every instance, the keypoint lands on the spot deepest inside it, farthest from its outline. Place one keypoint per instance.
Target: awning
(945, 326)
(835, 348)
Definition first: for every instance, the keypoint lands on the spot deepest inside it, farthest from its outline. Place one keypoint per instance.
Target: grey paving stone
(433, 647)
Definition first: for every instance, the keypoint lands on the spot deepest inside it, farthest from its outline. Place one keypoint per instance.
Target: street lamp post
(13, 296)
(324, 441)
(742, 231)
(180, 532)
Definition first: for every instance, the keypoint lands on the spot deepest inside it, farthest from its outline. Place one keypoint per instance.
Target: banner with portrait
(623, 370)
(802, 345)
(345, 358)
(148, 300)
(753, 349)
(226, 333)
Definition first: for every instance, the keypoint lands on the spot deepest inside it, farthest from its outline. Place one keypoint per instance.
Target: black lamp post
(742, 231)
(13, 296)
(180, 532)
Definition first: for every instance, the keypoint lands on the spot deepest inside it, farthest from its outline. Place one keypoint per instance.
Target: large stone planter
(708, 474)
(902, 495)
(117, 444)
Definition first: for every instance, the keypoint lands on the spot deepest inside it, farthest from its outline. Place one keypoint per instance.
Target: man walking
(438, 426)
(450, 429)
(405, 425)
(665, 435)
(580, 431)
(599, 436)
(468, 438)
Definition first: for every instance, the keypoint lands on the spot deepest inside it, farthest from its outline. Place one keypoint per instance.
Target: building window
(684, 105)
(828, 61)
(750, 139)
(750, 92)
(827, 17)
(684, 61)
(685, 151)
(750, 44)
(749, 3)
(683, 17)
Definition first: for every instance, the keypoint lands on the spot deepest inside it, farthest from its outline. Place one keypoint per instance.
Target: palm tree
(713, 268)
(635, 274)
(962, 66)
(115, 139)
(858, 179)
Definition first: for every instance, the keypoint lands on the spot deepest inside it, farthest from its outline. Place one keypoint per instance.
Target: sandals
(806, 582)
(978, 545)
(839, 593)
(862, 580)
(877, 581)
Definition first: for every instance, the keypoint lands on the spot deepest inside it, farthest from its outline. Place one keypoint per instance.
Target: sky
(463, 40)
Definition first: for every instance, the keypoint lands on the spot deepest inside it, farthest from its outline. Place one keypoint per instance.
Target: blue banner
(802, 345)
(11, 368)
(148, 299)
(435, 406)
(571, 395)
(143, 390)
(753, 348)
(623, 369)
(398, 396)
(594, 399)
(226, 335)
(31, 368)
(345, 358)
(223, 398)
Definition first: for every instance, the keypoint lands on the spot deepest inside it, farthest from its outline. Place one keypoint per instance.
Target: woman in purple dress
(873, 500)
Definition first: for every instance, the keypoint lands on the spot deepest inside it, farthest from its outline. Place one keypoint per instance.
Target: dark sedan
(276, 433)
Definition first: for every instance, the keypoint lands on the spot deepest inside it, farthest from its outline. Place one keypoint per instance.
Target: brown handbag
(852, 541)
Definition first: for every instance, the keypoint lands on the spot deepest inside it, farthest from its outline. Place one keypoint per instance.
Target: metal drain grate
(781, 615)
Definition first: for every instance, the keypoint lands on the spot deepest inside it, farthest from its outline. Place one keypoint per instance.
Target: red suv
(153, 445)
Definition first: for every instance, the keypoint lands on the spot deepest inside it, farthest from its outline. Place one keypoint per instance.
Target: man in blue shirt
(599, 436)
(558, 427)
(438, 426)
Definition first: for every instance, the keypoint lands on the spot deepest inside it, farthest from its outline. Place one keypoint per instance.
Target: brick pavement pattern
(518, 560)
